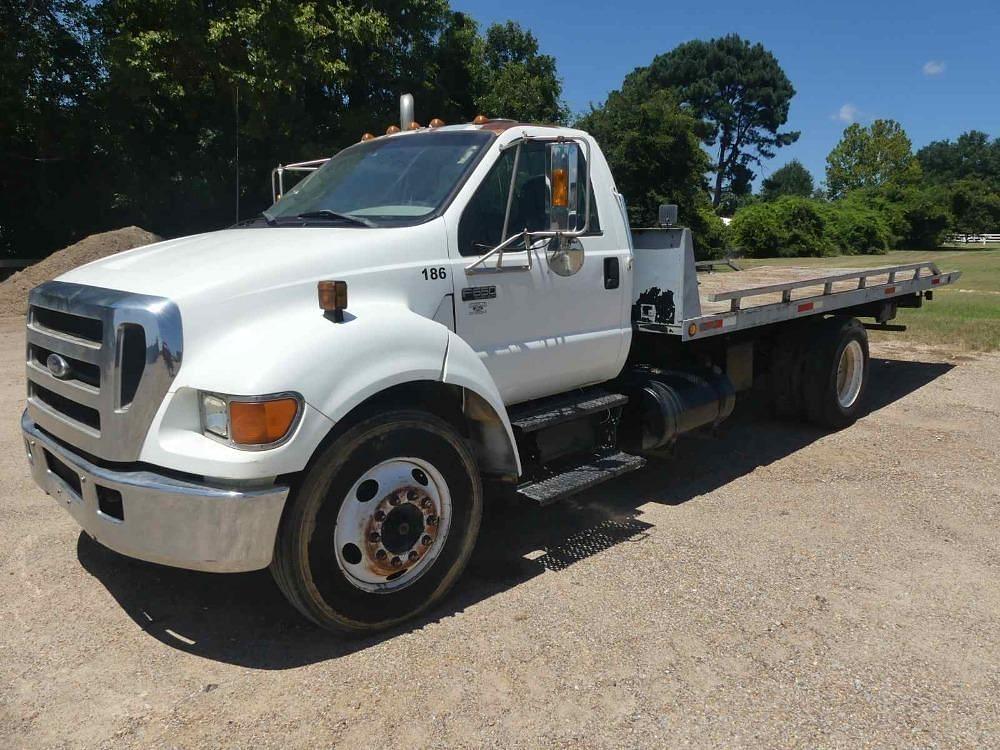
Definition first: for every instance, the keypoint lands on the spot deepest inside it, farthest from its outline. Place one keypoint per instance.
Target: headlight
(250, 421)
(215, 415)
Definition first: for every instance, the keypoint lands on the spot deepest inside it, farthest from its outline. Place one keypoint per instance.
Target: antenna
(236, 139)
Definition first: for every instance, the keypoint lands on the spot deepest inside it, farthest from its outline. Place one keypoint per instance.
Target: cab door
(540, 324)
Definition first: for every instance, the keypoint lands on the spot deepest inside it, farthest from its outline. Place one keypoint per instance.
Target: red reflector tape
(805, 307)
(935, 281)
(711, 325)
(890, 289)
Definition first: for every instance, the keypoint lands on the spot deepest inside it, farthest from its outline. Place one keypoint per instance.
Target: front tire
(382, 524)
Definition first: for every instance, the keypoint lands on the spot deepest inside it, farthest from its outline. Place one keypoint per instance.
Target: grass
(964, 315)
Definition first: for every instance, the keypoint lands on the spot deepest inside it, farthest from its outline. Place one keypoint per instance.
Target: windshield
(386, 181)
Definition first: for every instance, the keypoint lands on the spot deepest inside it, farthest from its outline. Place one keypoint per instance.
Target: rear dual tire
(819, 373)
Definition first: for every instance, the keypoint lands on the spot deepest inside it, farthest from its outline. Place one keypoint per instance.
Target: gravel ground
(769, 586)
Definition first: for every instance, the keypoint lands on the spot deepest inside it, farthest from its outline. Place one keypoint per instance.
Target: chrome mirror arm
(478, 267)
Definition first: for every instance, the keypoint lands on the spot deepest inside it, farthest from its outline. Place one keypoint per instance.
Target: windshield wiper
(254, 219)
(326, 213)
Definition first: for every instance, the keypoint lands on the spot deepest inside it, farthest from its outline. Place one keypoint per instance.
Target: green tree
(972, 155)
(516, 80)
(131, 111)
(975, 206)
(48, 126)
(917, 217)
(186, 82)
(458, 73)
(871, 157)
(791, 179)
(739, 89)
(653, 148)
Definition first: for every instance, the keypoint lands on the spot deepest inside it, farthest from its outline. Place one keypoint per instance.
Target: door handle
(612, 273)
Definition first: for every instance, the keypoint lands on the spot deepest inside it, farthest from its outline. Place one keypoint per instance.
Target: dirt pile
(14, 291)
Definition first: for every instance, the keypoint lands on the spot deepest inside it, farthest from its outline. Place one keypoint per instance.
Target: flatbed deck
(715, 288)
(674, 296)
(768, 294)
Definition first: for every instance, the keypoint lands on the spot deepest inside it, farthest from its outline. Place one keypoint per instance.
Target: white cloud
(934, 67)
(847, 113)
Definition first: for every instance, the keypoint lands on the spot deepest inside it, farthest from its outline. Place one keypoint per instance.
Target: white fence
(966, 239)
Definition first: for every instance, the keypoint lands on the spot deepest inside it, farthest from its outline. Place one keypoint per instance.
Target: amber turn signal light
(560, 188)
(261, 422)
(333, 298)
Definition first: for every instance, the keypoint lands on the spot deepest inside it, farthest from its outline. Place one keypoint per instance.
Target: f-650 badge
(471, 293)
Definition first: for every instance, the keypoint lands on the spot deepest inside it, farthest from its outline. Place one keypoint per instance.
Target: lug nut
(394, 500)
(379, 515)
(380, 554)
(427, 540)
(411, 495)
(374, 536)
(395, 562)
(432, 520)
(426, 503)
(413, 554)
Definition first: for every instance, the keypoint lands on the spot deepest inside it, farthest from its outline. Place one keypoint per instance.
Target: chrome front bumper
(162, 519)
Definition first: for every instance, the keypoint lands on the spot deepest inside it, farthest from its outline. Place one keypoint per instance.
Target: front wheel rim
(392, 525)
(850, 373)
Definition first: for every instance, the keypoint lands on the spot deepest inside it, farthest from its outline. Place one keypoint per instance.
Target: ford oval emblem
(58, 366)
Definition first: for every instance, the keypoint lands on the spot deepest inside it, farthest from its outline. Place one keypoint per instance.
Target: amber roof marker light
(480, 120)
(437, 122)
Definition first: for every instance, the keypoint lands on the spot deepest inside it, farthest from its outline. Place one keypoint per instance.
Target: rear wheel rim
(850, 373)
(392, 525)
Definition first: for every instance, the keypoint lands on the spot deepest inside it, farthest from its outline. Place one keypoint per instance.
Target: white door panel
(540, 333)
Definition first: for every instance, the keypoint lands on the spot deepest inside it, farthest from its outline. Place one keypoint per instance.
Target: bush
(855, 229)
(787, 227)
(926, 220)
(917, 218)
(711, 236)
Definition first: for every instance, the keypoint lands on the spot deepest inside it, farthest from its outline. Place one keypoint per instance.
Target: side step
(563, 408)
(598, 468)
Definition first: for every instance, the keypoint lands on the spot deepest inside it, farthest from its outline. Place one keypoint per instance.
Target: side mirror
(565, 181)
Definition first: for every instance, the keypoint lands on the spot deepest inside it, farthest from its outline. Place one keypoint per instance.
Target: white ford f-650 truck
(324, 390)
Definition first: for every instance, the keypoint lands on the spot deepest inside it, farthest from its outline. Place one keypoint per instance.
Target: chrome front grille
(99, 363)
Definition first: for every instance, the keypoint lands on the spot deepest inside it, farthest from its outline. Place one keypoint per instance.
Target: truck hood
(228, 264)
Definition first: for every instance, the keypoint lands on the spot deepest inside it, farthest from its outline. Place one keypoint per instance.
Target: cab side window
(481, 226)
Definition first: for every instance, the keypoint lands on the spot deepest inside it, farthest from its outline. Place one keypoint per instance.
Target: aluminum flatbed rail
(748, 299)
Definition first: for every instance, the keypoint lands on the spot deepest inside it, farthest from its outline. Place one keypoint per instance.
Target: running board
(552, 411)
(597, 468)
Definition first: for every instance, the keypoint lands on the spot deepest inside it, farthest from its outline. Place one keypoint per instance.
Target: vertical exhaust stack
(405, 111)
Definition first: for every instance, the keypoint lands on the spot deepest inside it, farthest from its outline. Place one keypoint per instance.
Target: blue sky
(933, 66)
